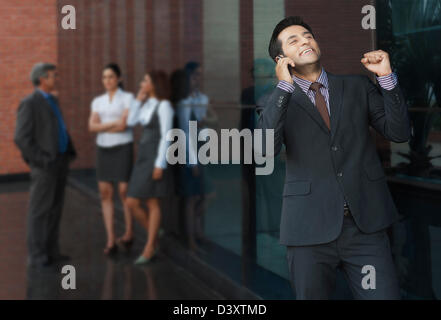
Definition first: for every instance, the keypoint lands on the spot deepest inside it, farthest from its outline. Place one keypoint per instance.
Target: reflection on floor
(223, 216)
(270, 251)
(415, 241)
(82, 237)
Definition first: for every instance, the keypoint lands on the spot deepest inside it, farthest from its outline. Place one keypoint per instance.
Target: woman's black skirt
(114, 164)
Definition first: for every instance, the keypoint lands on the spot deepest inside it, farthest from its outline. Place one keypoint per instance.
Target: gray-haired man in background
(47, 148)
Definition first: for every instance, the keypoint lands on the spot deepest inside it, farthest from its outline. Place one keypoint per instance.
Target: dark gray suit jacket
(323, 166)
(36, 132)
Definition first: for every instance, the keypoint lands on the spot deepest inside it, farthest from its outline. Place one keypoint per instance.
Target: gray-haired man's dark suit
(36, 135)
(323, 168)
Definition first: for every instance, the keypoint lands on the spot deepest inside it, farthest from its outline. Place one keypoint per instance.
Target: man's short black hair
(275, 46)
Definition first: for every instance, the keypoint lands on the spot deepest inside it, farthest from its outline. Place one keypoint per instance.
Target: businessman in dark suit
(47, 148)
(336, 202)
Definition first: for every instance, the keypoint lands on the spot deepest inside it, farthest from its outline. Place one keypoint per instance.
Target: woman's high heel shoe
(111, 250)
(143, 260)
(125, 244)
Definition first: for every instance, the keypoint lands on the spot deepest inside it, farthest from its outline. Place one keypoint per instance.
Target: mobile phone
(290, 68)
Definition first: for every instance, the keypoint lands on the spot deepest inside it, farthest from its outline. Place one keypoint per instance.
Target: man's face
(196, 78)
(50, 82)
(299, 45)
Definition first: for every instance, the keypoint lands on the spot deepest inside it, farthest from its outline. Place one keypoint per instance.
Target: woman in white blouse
(114, 157)
(154, 112)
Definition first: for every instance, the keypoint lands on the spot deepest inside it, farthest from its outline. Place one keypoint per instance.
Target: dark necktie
(320, 103)
(63, 138)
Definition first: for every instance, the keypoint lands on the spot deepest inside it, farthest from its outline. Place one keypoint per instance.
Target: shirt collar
(117, 92)
(152, 100)
(44, 93)
(305, 84)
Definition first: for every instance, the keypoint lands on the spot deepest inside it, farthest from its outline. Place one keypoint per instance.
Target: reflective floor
(83, 238)
(415, 240)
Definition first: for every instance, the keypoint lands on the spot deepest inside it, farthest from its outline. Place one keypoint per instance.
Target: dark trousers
(313, 268)
(44, 214)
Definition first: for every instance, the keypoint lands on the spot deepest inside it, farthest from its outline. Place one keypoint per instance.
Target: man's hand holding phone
(282, 68)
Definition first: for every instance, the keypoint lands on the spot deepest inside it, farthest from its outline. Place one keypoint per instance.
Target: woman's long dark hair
(161, 84)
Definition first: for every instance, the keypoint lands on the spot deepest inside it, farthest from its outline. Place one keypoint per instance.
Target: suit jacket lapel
(43, 102)
(335, 104)
(336, 90)
(301, 99)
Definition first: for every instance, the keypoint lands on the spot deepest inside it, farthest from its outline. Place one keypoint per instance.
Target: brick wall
(337, 27)
(28, 34)
(139, 35)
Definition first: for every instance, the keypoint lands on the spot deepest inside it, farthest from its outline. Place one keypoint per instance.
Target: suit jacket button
(334, 148)
(340, 174)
